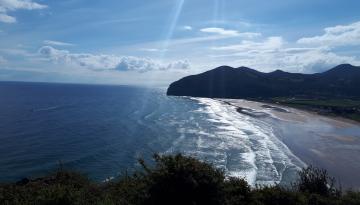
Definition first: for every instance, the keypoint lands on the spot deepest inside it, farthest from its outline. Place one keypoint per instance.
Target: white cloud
(13, 5)
(109, 62)
(220, 31)
(179, 65)
(229, 33)
(56, 43)
(6, 18)
(313, 60)
(193, 41)
(274, 53)
(236, 23)
(308, 55)
(304, 61)
(79, 59)
(249, 35)
(147, 64)
(270, 44)
(188, 28)
(20, 4)
(153, 50)
(341, 35)
(213, 34)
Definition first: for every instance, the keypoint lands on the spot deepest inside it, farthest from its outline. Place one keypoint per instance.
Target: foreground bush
(61, 188)
(174, 180)
(182, 180)
(316, 181)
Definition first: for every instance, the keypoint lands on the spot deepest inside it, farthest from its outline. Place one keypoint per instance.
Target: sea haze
(103, 130)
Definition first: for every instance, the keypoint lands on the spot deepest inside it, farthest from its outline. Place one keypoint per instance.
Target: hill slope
(227, 82)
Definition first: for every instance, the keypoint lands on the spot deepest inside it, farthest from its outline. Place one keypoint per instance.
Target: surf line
(246, 111)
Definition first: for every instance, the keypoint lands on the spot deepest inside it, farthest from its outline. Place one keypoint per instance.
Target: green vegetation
(347, 108)
(174, 180)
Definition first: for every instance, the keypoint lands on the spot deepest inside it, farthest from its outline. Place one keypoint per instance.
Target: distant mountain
(243, 82)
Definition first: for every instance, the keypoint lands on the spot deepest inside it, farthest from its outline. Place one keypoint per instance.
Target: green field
(347, 108)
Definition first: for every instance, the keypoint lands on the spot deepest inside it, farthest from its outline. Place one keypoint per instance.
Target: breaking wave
(242, 145)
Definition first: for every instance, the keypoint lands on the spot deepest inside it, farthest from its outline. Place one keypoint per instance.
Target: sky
(152, 43)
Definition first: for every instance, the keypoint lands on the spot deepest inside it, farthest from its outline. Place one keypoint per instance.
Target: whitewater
(242, 145)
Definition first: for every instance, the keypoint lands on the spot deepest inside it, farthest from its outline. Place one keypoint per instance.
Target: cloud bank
(102, 62)
(341, 35)
(308, 55)
(206, 48)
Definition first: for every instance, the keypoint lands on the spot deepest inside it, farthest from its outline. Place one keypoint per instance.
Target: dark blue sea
(102, 130)
(99, 130)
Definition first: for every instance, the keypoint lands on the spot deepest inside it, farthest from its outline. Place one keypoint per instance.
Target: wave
(52, 108)
(46, 109)
(242, 144)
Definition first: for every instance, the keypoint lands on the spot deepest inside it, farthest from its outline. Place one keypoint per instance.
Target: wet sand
(325, 142)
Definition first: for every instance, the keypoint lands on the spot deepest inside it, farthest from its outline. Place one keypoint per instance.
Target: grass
(347, 108)
(346, 103)
(174, 179)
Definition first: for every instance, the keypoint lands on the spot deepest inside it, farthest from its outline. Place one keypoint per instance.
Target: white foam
(245, 147)
(46, 109)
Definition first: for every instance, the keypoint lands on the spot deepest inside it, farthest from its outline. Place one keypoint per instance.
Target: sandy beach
(325, 142)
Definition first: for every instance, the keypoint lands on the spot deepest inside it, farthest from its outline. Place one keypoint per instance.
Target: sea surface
(103, 130)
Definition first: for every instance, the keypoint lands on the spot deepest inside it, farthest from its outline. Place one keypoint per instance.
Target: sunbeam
(218, 15)
(176, 12)
(166, 41)
(173, 23)
(216, 12)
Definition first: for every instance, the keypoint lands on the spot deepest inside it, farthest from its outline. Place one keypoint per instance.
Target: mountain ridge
(243, 82)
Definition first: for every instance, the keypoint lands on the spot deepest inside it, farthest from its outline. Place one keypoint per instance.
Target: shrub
(174, 180)
(351, 198)
(183, 180)
(128, 190)
(316, 181)
(277, 195)
(237, 191)
(60, 188)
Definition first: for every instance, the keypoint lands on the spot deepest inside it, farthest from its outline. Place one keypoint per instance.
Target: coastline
(302, 113)
(330, 110)
(332, 143)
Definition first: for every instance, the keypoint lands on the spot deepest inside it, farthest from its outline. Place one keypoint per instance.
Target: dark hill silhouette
(243, 82)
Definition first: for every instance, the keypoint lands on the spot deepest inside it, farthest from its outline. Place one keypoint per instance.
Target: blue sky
(143, 42)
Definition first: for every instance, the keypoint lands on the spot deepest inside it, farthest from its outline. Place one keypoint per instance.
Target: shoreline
(318, 108)
(303, 112)
(313, 112)
(312, 137)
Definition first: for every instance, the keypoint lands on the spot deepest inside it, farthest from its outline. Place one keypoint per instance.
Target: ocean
(102, 130)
